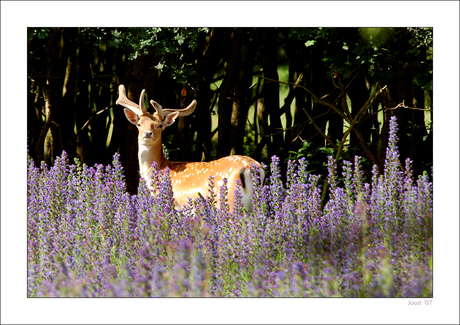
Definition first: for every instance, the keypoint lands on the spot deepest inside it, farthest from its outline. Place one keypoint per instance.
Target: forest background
(289, 92)
(443, 15)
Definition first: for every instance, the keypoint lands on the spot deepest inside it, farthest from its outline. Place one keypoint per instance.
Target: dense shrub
(87, 237)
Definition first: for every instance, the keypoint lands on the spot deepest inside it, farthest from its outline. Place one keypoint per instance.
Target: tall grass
(87, 237)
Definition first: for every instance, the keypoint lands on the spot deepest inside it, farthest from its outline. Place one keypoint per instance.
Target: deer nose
(148, 134)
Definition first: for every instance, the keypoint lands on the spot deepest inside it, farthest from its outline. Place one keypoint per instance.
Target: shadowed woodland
(291, 92)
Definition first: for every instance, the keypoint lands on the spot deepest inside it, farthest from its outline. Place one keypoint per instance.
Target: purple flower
(88, 237)
(238, 203)
(277, 191)
(332, 174)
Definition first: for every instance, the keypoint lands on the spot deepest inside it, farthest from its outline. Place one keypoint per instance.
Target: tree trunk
(270, 91)
(52, 58)
(418, 150)
(319, 83)
(299, 59)
(67, 107)
(82, 110)
(244, 94)
(33, 121)
(116, 112)
(261, 152)
(227, 97)
(286, 109)
(208, 65)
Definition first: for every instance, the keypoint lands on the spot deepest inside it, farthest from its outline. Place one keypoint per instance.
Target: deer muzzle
(147, 135)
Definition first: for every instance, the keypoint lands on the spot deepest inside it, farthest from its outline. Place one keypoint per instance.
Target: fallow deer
(187, 178)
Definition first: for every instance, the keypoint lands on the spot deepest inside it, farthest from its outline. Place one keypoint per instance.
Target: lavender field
(88, 237)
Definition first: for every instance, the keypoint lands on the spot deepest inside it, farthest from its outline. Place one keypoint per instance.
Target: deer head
(149, 125)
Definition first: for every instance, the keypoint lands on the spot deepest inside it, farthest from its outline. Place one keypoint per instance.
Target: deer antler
(165, 111)
(141, 109)
(141, 102)
(124, 101)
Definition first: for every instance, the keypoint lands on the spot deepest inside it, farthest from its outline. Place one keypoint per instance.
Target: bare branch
(339, 149)
(316, 99)
(343, 97)
(401, 105)
(369, 102)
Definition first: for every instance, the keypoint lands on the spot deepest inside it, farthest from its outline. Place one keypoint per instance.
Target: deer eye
(160, 126)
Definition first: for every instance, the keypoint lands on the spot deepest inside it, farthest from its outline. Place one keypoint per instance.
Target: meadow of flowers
(88, 237)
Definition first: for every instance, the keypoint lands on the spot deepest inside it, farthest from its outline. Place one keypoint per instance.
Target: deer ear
(131, 116)
(170, 118)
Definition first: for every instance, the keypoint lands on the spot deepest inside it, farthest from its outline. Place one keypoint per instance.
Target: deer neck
(148, 154)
